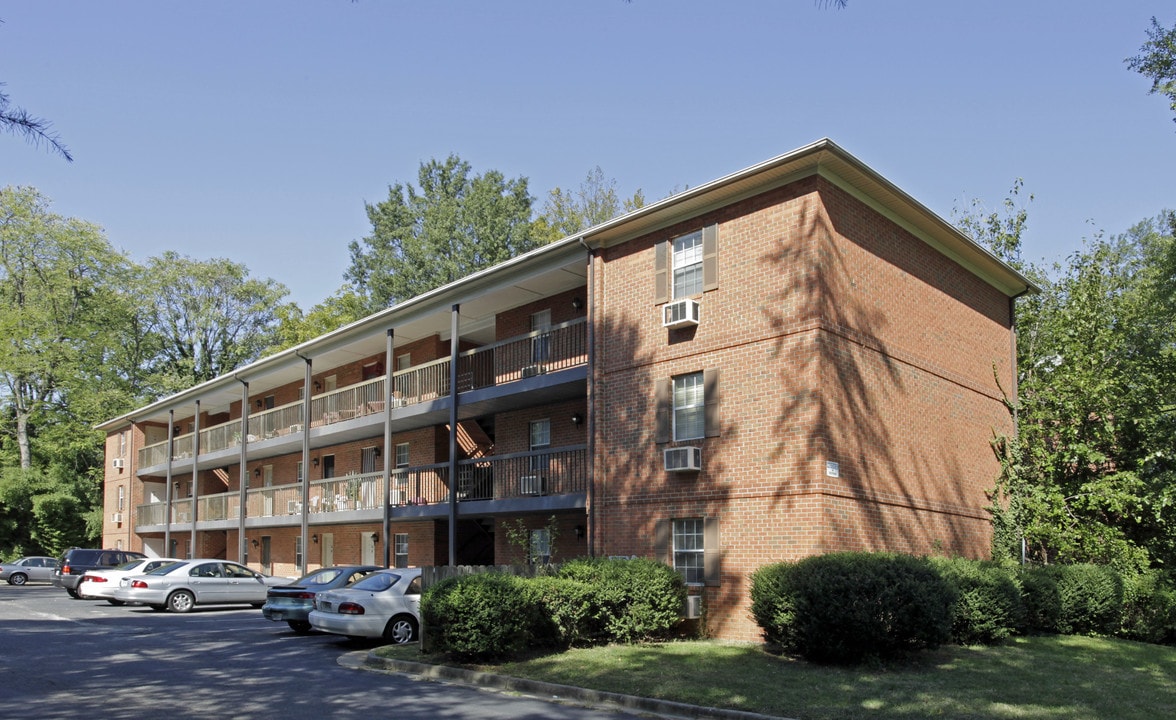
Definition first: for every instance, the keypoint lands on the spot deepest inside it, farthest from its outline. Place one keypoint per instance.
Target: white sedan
(181, 586)
(385, 604)
(101, 584)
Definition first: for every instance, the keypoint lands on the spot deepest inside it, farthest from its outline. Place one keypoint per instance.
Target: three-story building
(793, 359)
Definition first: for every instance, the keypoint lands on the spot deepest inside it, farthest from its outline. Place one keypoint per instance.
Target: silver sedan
(28, 569)
(385, 604)
(184, 585)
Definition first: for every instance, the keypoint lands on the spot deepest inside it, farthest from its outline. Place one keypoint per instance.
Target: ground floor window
(688, 551)
(400, 544)
(540, 545)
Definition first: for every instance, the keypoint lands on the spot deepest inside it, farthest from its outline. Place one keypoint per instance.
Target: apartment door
(541, 344)
(367, 543)
(267, 565)
(328, 540)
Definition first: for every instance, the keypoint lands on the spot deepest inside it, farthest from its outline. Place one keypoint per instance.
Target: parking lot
(61, 657)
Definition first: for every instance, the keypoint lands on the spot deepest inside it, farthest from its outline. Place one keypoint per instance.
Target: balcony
(528, 369)
(553, 478)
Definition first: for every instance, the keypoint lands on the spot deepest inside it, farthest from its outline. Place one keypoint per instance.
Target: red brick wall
(839, 337)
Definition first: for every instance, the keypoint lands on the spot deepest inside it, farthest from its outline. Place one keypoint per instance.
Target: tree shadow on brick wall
(841, 387)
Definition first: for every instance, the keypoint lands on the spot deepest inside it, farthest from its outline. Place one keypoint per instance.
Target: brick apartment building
(793, 359)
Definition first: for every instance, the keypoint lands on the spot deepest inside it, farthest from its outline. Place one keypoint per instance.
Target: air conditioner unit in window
(117, 463)
(531, 485)
(680, 313)
(116, 518)
(683, 459)
(533, 370)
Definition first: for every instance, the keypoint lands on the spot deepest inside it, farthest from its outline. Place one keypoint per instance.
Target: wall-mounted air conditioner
(531, 485)
(116, 518)
(683, 459)
(693, 609)
(533, 370)
(117, 463)
(680, 313)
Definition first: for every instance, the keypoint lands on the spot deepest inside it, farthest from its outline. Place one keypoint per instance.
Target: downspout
(453, 346)
(306, 404)
(167, 490)
(591, 401)
(195, 480)
(389, 393)
(243, 480)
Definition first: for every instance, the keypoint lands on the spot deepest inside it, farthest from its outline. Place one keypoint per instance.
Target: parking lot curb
(552, 691)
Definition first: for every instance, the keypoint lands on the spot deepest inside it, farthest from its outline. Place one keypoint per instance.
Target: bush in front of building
(1149, 608)
(1039, 595)
(636, 599)
(482, 616)
(571, 612)
(850, 607)
(988, 607)
(1091, 598)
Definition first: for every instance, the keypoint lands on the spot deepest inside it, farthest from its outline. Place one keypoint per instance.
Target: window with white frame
(688, 549)
(298, 551)
(540, 545)
(400, 545)
(122, 444)
(687, 265)
(540, 440)
(541, 344)
(401, 455)
(689, 407)
(122, 497)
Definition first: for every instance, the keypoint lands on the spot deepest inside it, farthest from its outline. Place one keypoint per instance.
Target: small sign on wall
(832, 469)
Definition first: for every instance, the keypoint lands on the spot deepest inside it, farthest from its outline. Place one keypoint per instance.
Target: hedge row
(586, 602)
(848, 607)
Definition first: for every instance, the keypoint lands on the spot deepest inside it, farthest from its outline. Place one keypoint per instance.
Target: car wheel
(72, 593)
(181, 601)
(18, 579)
(158, 608)
(114, 602)
(401, 629)
(299, 626)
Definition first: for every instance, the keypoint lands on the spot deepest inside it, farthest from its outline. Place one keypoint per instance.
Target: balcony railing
(537, 353)
(554, 471)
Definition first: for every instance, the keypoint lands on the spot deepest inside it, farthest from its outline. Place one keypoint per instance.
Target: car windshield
(129, 565)
(376, 583)
(319, 577)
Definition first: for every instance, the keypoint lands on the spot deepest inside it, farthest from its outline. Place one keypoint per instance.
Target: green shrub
(1091, 599)
(849, 607)
(482, 616)
(988, 607)
(1149, 608)
(636, 600)
(570, 612)
(1041, 598)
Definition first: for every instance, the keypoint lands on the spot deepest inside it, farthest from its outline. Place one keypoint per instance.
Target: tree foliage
(1090, 476)
(455, 224)
(36, 130)
(566, 212)
(1157, 61)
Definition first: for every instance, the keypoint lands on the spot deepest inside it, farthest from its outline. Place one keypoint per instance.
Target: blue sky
(257, 130)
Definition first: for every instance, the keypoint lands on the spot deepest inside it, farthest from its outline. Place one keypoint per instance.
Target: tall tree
(455, 224)
(54, 272)
(566, 213)
(207, 317)
(1157, 61)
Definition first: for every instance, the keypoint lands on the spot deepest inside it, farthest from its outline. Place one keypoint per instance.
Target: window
(122, 444)
(540, 546)
(400, 545)
(404, 362)
(401, 455)
(540, 440)
(298, 552)
(122, 497)
(688, 549)
(540, 344)
(689, 407)
(367, 459)
(687, 264)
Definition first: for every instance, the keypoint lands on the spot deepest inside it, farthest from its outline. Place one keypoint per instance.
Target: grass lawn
(1069, 677)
